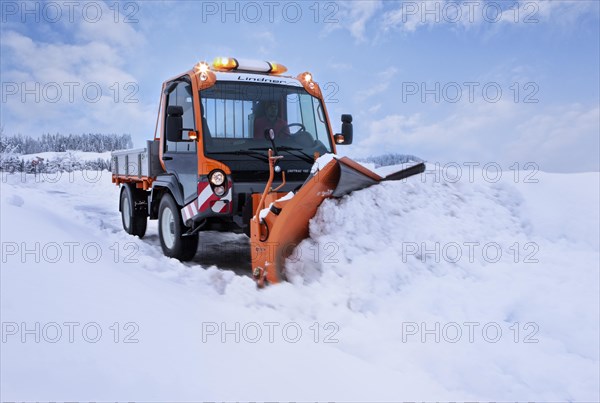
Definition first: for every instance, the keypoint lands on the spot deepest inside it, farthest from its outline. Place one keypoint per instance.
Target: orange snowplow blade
(279, 228)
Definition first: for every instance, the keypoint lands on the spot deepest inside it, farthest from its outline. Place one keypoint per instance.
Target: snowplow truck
(238, 146)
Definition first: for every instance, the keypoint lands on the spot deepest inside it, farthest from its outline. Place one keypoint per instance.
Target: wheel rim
(167, 225)
(126, 213)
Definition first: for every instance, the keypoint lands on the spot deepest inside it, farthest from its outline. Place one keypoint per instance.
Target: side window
(182, 96)
(293, 109)
(307, 110)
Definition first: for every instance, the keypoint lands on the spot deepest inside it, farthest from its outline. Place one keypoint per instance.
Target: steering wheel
(300, 125)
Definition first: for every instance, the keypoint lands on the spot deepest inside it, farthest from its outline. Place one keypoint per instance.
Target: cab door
(179, 151)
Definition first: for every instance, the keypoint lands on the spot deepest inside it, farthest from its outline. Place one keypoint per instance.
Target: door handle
(165, 158)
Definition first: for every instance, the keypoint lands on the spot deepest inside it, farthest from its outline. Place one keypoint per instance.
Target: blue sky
(373, 59)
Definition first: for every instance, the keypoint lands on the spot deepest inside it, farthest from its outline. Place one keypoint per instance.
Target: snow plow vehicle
(225, 134)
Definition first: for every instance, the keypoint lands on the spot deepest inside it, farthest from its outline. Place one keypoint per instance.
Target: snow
(377, 282)
(264, 212)
(322, 161)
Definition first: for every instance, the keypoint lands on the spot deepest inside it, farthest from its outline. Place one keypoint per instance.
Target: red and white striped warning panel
(207, 200)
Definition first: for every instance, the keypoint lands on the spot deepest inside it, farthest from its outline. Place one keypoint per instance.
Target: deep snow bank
(492, 287)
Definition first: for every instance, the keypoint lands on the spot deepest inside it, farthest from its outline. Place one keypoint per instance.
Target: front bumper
(231, 204)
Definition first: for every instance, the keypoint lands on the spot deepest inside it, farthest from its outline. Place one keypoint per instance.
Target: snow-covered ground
(423, 289)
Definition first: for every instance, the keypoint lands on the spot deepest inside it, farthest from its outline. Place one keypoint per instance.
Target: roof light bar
(229, 63)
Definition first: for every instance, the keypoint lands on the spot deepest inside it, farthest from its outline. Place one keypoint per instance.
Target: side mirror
(174, 125)
(347, 132)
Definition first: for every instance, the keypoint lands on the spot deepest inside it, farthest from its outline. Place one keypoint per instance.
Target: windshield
(237, 116)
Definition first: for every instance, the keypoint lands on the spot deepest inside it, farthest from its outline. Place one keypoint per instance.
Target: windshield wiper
(306, 158)
(303, 157)
(253, 154)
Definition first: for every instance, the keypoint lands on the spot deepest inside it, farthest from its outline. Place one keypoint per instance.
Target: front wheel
(170, 229)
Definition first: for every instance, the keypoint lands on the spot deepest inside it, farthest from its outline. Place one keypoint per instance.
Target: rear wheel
(170, 229)
(134, 222)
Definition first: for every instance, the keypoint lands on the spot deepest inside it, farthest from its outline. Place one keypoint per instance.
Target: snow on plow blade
(278, 229)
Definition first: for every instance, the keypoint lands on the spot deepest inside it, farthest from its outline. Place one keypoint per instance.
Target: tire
(170, 231)
(134, 222)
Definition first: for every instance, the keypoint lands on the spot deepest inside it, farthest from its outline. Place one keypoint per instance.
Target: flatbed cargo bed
(140, 165)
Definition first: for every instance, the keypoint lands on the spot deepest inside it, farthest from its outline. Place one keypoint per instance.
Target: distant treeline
(91, 142)
(391, 159)
(13, 147)
(66, 162)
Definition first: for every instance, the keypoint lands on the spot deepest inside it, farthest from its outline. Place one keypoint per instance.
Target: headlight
(219, 190)
(217, 178)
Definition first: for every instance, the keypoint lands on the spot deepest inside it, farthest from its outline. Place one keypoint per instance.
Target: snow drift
(424, 289)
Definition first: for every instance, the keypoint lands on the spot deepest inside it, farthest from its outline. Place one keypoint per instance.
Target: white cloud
(117, 34)
(266, 42)
(557, 139)
(413, 15)
(407, 17)
(565, 13)
(562, 139)
(374, 109)
(58, 71)
(355, 15)
(382, 82)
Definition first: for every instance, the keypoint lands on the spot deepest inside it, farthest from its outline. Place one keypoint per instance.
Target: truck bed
(136, 165)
